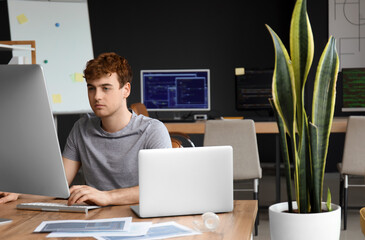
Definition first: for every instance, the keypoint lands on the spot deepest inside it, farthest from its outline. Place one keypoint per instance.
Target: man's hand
(8, 197)
(89, 195)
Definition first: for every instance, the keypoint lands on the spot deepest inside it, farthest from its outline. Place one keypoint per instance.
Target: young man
(106, 144)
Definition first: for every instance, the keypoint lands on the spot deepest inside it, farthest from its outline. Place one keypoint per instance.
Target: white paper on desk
(136, 229)
(109, 224)
(158, 231)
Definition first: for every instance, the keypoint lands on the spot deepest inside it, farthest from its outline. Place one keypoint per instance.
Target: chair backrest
(176, 143)
(241, 135)
(139, 108)
(353, 160)
(362, 220)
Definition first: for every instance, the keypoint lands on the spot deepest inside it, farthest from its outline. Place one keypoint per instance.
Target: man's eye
(90, 88)
(106, 89)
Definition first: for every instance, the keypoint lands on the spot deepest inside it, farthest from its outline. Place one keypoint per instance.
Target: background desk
(339, 125)
(235, 225)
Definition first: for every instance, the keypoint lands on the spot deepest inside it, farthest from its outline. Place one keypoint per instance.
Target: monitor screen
(179, 90)
(353, 97)
(253, 90)
(30, 155)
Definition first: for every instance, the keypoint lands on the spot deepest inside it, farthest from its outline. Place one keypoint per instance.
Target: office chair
(176, 143)
(177, 138)
(241, 135)
(139, 108)
(353, 160)
(362, 220)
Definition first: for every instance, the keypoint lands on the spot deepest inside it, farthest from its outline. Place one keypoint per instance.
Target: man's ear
(126, 90)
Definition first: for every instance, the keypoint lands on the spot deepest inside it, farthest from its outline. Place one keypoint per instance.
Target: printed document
(158, 231)
(136, 229)
(111, 224)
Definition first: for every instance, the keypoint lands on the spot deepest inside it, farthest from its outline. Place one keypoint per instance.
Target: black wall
(219, 35)
(5, 56)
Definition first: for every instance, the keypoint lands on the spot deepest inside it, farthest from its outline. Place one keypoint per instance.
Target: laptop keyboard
(56, 207)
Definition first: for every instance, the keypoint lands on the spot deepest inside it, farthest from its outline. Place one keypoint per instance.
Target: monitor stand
(177, 116)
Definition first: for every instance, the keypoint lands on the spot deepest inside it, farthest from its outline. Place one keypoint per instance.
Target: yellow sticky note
(56, 98)
(239, 71)
(22, 19)
(79, 77)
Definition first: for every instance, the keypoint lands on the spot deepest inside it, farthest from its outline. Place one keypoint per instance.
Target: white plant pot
(313, 226)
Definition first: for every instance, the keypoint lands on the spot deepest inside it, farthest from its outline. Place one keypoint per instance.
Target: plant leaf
(329, 200)
(301, 52)
(284, 98)
(283, 84)
(285, 155)
(315, 195)
(304, 170)
(324, 95)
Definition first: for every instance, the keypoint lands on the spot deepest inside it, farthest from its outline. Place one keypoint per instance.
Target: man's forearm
(124, 196)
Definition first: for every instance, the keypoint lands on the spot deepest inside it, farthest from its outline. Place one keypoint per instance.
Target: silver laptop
(185, 181)
(30, 157)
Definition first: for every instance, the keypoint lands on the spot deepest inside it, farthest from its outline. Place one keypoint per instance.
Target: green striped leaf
(301, 52)
(329, 200)
(316, 171)
(304, 169)
(324, 95)
(285, 154)
(283, 84)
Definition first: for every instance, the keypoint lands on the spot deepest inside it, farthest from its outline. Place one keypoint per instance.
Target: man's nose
(98, 94)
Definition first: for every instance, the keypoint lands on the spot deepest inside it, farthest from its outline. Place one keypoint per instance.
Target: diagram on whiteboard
(346, 19)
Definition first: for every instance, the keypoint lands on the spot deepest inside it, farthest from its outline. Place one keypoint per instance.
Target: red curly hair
(106, 64)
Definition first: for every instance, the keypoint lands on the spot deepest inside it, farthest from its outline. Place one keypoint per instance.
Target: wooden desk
(235, 225)
(339, 125)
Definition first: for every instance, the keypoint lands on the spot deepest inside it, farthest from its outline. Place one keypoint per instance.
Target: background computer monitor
(253, 90)
(30, 156)
(176, 90)
(353, 89)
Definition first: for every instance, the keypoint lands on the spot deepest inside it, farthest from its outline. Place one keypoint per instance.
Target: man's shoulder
(86, 121)
(144, 122)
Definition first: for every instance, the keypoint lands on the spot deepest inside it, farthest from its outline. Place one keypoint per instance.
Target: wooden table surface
(339, 125)
(234, 225)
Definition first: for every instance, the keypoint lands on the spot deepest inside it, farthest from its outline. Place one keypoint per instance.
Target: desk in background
(234, 225)
(339, 125)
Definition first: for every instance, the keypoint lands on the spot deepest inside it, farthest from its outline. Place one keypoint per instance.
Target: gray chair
(353, 160)
(241, 135)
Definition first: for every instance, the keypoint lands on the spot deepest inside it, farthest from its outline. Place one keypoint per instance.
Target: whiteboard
(62, 34)
(346, 22)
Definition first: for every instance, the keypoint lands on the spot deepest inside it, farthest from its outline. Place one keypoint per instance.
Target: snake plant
(304, 138)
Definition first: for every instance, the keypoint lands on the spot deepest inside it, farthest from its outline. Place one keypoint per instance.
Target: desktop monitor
(353, 87)
(253, 90)
(30, 156)
(176, 90)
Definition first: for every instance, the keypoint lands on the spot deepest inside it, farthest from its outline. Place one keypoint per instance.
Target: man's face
(106, 97)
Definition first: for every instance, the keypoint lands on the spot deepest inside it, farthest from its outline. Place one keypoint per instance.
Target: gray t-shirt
(110, 160)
